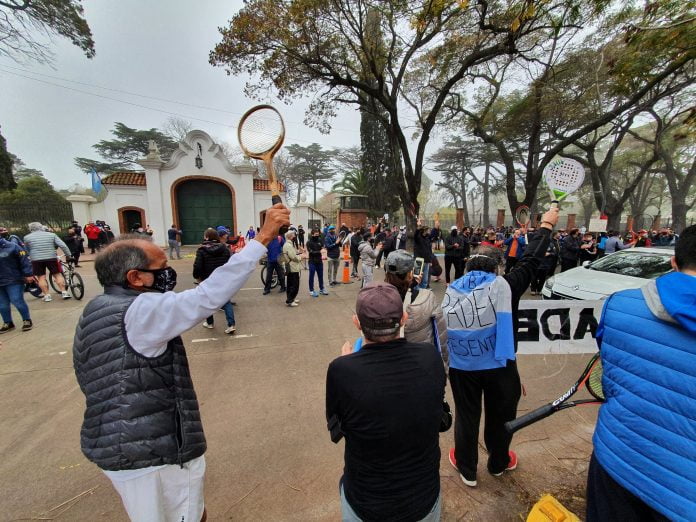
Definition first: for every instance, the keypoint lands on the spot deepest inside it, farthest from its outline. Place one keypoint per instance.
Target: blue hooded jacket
(275, 247)
(646, 431)
(14, 263)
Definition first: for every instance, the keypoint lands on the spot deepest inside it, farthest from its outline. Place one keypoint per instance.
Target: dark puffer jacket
(140, 411)
(209, 256)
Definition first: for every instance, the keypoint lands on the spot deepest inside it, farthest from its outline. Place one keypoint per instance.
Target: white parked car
(630, 268)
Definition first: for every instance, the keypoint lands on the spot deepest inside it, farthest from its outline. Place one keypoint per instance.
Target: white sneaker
(296, 301)
(48, 298)
(206, 325)
(230, 330)
(293, 304)
(66, 295)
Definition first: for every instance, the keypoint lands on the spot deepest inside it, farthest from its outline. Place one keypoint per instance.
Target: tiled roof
(264, 184)
(125, 178)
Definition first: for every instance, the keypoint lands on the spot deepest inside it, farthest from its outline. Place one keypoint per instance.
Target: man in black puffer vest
(142, 424)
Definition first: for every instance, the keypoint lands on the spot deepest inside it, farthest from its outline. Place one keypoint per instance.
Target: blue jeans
(426, 276)
(348, 515)
(317, 268)
(229, 314)
(14, 294)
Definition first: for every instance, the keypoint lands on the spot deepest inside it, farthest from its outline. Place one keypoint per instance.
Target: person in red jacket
(92, 232)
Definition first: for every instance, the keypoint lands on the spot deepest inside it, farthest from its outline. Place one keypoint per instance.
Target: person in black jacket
(316, 263)
(75, 243)
(570, 250)
(355, 241)
(456, 251)
(386, 400)
(422, 247)
(491, 372)
(209, 256)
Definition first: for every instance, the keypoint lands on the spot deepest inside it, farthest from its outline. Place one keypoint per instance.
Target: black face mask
(315, 238)
(454, 233)
(164, 279)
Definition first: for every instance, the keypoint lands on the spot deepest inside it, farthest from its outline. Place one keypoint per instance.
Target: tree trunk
(486, 185)
(679, 210)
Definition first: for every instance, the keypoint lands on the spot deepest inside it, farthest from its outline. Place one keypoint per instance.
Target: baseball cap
(453, 227)
(379, 307)
(332, 227)
(399, 262)
(222, 230)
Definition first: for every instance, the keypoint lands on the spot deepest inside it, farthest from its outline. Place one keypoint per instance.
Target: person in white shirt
(142, 423)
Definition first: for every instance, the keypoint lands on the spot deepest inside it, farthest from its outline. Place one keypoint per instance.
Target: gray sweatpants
(333, 269)
(174, 245)
(367, 274)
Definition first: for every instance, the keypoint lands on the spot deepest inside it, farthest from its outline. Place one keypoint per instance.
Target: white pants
(165, 494)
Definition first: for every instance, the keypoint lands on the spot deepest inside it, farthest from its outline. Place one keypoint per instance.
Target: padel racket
(522, 215)
(591, 379)
(261, 133)
(563, 176)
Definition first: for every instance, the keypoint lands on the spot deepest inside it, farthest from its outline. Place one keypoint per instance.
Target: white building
(196, 189)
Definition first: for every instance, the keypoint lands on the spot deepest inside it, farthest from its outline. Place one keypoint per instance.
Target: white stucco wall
(156, 198)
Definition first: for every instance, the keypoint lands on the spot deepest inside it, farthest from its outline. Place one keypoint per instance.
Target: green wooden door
(203, 204)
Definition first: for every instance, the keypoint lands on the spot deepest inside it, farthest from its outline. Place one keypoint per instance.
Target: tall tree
(312, 163)
(128, 145)
(26, 27)
(7, 181)
(326, 46)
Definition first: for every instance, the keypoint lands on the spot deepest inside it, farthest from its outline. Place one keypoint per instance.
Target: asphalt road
(262, 400)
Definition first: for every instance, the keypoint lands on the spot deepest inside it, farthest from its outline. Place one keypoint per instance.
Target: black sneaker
(7, 327)
(27, 325)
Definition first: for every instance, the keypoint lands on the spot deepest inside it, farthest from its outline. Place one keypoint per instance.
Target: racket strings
(564, 176)
(261, 131)
(594, 381)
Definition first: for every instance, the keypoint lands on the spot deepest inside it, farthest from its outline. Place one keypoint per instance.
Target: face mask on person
(454, 233)
(315, 238)
(164, 279)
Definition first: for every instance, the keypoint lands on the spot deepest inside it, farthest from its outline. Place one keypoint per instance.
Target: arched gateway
(200, 204)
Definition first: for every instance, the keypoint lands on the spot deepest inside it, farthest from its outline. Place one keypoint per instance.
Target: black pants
(608, 501)
(379, 258)
(274, 265)
(510, 262)
(355, 265)
(567, 264)
(501, 392)
(458, 264)
(292, 286)
(539, 279)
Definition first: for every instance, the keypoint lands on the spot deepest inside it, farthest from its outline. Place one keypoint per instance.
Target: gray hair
(381, 335)
(113, 263)
(290, 234)
(35, 226)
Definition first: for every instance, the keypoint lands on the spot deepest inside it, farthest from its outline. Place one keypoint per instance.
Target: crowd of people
(385, 394)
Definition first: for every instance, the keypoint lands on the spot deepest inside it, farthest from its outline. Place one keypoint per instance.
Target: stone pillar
(500, 220)
(460, 218)
(81, 207)
(571, 221)
(155, 211)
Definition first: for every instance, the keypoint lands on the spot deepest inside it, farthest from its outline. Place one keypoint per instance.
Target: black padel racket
(591, 379)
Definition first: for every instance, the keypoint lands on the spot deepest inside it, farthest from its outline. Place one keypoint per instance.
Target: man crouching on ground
(386, 400)
(142, 425)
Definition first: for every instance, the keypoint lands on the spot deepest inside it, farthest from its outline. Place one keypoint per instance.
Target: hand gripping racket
(261, 132)
(591, 378)
(563, 176)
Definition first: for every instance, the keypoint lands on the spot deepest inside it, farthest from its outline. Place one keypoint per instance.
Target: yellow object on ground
(548, 509)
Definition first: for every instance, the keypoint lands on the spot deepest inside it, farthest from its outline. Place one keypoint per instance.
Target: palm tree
(354, 182)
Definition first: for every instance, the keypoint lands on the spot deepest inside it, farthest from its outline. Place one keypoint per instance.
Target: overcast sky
(157, 51)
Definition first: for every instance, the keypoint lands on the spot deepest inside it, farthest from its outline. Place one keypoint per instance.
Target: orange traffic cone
(346, 266)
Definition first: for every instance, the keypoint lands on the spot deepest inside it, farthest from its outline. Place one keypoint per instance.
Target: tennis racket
(563, 176)
(522, 215)
(591, 379)
(261, 133)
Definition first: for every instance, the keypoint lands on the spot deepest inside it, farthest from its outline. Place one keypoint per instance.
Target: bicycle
(264, 270)
(73, 280)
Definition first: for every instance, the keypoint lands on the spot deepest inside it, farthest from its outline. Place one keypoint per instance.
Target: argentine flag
(97, 186)
(478, 311)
